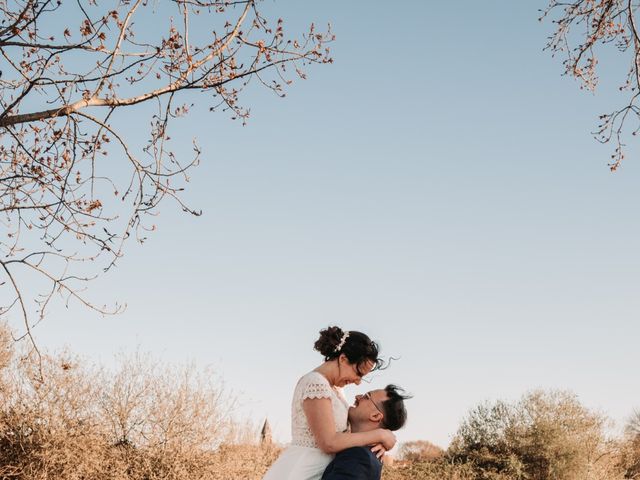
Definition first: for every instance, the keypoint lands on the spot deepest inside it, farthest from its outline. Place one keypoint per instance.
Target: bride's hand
(379, 450)
(388, 439)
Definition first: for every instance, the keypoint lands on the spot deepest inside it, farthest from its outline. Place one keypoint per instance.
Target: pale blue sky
(436, 187)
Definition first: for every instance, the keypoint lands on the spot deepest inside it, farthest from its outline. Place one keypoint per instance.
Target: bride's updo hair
(358, 347)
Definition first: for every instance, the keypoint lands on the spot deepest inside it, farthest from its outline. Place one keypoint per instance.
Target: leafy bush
(544, 436)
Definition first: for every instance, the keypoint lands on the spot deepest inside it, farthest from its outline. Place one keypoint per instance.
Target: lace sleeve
(316, 388)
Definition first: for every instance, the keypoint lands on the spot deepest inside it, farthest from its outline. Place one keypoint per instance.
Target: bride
(319, 410)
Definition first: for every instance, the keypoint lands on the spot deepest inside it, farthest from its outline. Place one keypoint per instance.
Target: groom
(375, 409)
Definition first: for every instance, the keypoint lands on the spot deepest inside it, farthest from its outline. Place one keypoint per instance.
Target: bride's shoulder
(313, 378)
(313, 385)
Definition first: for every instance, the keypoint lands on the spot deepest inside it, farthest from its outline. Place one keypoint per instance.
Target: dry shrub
(630, 448)
(546, 435)
(63, 418)
(438, 469)
(6, 347)
(243, 461)
(420, 450)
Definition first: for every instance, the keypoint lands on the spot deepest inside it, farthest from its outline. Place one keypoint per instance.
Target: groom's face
(368, 408)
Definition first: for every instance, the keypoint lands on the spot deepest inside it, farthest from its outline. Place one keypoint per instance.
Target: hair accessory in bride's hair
(345, 335)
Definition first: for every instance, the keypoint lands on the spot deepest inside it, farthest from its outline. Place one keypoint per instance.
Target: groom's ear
(375, 417)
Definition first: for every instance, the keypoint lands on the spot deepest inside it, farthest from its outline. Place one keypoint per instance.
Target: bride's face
(351, 372)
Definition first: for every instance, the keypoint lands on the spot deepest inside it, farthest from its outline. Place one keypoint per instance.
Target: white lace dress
(303, 460)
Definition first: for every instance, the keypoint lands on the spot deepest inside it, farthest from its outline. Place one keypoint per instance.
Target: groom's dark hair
(395, 413)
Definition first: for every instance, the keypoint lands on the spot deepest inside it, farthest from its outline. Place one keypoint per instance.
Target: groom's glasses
(368, 397)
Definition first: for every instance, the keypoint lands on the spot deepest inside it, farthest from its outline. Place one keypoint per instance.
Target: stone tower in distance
(265, 434)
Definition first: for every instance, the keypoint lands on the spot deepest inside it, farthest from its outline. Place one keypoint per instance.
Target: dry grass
(61, 418)
(427, 470)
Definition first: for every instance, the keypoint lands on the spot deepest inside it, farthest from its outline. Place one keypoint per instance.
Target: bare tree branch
(73, 186)
(581, 28)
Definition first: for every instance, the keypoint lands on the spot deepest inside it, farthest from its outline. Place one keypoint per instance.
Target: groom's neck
(364, 427)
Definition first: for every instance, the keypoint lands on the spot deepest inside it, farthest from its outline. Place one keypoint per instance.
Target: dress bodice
(315, 385)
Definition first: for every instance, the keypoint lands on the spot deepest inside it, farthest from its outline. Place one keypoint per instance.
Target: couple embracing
(330, 439)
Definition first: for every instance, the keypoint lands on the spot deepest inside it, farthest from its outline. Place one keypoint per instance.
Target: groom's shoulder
(362, 455)
(357, 452)
(356, 463)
